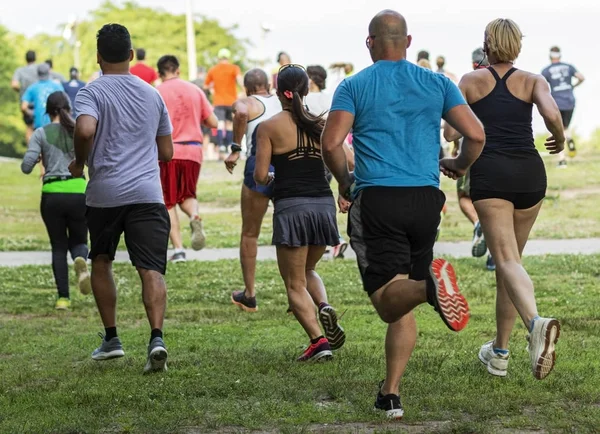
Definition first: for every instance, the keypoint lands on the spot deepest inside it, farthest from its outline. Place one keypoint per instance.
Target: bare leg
(190, 207)
(466, 206)
(292, 266)
(254, 207)
(175, 233)
(154, 293)
(314, 284)
(500, 225)
(399, 344)
(399, 297)
(105, 290)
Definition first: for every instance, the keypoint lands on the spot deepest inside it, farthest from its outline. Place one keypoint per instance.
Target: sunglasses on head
(292, 65)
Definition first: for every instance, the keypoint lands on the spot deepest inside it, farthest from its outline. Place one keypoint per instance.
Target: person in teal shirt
(37, 94)
(63, 196)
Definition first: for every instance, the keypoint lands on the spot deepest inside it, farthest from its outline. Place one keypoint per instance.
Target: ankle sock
(430, 288)
(109, 333)
(156, 333)
(500, 351)
(178, 250)
(322, 305)
(532, 322)
(315, 340)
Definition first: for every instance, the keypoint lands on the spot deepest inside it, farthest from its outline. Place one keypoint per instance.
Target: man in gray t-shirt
(24, 77)
(122, 130)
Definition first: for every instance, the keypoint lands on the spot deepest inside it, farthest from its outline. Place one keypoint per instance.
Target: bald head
(388, 25)
(255, 80)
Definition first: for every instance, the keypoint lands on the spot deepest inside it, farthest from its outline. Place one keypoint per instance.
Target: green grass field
(231, 371)
(571, 210)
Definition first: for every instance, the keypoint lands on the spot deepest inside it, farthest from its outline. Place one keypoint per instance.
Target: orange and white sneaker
(444, 295)
(317, 352)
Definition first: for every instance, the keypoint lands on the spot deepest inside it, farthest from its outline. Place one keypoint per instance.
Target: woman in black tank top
(508, 184)
(304, 221)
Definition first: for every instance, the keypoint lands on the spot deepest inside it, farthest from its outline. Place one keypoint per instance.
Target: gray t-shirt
(55, 146)
(123, 162)
(26, 76)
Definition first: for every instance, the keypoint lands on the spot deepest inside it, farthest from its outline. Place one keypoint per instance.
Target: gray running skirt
(305, 221)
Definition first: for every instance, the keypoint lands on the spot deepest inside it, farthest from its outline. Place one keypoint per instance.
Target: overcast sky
(326, 31)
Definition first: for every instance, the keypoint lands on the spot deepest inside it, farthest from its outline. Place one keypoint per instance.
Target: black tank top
(507, 119)
(301, 172)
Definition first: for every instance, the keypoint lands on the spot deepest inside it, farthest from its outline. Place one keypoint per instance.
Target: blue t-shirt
(37, 94)
(397, 108)
(71, 89)
(560, 76)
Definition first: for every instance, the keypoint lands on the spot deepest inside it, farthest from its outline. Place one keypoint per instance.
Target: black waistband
(58, 178)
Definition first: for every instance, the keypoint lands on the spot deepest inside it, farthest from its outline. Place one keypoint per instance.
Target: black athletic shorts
(28, 119)
(566, 115)
(224, 112)
(393, 230)
(146, 227)
(519, 200)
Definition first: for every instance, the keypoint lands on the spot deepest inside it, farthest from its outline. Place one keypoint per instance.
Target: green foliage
(12, 130)
(234, 372)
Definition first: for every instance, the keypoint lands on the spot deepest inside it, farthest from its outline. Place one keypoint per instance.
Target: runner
(397, 202)
(304, 221)
(463, 185)
(283, 59)
(24, 77)
(249, 112)
(122, 130)
(223, 79)
(37, 94)
(63, 197)
(73, 86)
(560, 76)
(423, 54)
(441, 62)
(143, 71)
(318, 103)
(508, 185)
(189, 108)
(54, 76)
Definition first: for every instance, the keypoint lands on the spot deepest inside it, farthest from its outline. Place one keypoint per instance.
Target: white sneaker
(542, 340)
(497, 364)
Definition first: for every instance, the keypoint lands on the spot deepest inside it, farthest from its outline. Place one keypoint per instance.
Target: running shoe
(178, 257)
(83, 276)
(333, 331)
(445, 297)
(390, 404)
(321, 351)
(245, 303)
(198, 235)
(542, 340)
(497, 364)
(562, 164)
(479, 246)
(490, 264)
(108, 349)
(571, 147)
(63, 303)
(339, 250)
(157, 356)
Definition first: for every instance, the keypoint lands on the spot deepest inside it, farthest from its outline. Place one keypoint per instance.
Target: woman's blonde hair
(503, 39)
(424, 63)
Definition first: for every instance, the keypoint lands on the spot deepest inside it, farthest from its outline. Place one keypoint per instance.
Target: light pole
(191, 41)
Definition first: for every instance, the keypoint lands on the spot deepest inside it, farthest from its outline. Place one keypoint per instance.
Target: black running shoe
(390, 404)
(333, 331)
(245, 303)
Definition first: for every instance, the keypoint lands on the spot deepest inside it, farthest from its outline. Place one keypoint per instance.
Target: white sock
(178, 250)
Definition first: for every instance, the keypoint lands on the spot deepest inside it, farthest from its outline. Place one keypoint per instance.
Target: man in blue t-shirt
(560, 76)
(37, 94)
(72, 87)
(395, 108)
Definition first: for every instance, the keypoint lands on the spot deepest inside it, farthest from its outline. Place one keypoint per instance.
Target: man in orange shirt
(189, 109)
(223, 79)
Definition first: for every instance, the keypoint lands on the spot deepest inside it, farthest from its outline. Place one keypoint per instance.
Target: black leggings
(64, 217)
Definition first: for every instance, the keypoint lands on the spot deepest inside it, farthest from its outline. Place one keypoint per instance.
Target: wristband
(235, 147)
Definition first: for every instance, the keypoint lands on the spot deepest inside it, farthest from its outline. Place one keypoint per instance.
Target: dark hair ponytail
(58, 104)
(294, 79)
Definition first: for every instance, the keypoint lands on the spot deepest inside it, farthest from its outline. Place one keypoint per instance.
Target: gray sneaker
(157, 356)
(108, 350)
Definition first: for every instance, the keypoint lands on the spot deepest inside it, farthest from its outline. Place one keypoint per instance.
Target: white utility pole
(191, 42)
